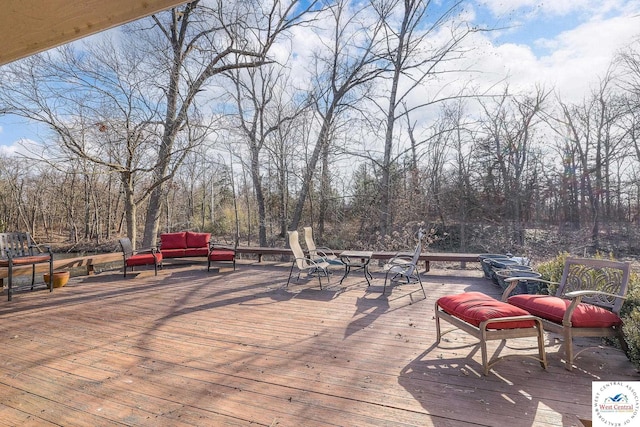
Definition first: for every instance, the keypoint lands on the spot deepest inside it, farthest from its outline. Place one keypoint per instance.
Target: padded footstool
(486, 318)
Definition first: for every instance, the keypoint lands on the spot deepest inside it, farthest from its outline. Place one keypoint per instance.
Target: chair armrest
(399, 259)
(580, 294)
(512, 282)
(325, 251)
(400, 264)
(39, 248)
(576, 298)
(214, 245)
(311, 262)
(152, 250)
(322, 254)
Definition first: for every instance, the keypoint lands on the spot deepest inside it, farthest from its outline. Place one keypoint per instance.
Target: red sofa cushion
(222, 255)
(198, 240)
(173, 240)
(173, 253)
(553, 308)
(202, 251)
(476, 307)
(143, 259)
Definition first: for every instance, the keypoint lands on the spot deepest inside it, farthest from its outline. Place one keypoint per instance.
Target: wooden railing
(426, 257)
(90, 261)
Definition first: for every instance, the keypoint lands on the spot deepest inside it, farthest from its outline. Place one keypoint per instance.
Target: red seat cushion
(476, 307)
(553, 308)
(143, 259)
(198, 240)
(196, 251)
(222, 255)
(172, 253)
(173, 240)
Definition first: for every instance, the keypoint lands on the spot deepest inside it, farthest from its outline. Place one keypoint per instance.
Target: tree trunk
(257, 186)
(323, 138)
(325, 191)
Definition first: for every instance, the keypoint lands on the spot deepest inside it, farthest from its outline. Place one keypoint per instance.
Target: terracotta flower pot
(60, 278)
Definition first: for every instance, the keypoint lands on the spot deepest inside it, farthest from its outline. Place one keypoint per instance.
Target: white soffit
(31, 26)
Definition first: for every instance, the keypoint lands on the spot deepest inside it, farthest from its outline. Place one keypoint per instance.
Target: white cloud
(584, 54)
(574, 60)
(537, 8)
(8, 150)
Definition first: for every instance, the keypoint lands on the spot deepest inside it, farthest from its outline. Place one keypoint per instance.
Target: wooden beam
(31, 26)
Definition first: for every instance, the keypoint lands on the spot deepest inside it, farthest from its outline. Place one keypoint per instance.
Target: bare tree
(134, 107)
(201, 42)
(509, 128)
(346, 65)
(597, 140)
(413, 59)
(462, 203)
(264, 107)
(629, 80)
(96, 105)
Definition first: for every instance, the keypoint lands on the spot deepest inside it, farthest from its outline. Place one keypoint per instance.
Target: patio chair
(587, 303)
(401, 266)
(305, 264)
(17, 250)
(143, 257)
(321, 253)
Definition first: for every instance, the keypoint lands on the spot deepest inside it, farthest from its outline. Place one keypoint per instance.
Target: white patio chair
(305, 264)
(322, 253)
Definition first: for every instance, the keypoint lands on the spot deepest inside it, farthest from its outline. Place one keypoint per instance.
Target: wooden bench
(88, 261)
(428, 257)
(19, 250)
(487, 319)
(260, 251)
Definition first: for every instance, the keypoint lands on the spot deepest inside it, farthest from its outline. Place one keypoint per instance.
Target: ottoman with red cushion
(486, 318)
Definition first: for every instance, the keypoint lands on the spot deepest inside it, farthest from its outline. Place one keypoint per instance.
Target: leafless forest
(209, 117)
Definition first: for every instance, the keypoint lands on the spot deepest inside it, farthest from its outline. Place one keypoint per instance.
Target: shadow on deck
(234, 348)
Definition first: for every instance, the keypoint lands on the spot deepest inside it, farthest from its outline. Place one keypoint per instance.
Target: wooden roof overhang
(31, 26)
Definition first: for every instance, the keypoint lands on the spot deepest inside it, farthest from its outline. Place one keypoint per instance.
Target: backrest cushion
(198, 240)
(173, 240)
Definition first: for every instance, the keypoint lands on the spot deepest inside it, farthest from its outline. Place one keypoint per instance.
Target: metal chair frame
(128, 252)
(402, 266)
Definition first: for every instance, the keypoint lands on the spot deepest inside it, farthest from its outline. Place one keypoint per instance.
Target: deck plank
(236, 348)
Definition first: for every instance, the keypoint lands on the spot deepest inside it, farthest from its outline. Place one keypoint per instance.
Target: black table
(356, 260)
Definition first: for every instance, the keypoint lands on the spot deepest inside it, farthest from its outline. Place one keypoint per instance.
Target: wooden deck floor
(237, 348)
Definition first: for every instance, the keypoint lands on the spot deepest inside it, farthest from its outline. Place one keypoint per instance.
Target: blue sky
(566, 44)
